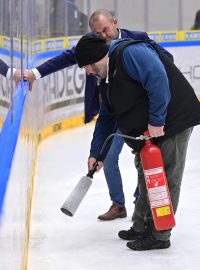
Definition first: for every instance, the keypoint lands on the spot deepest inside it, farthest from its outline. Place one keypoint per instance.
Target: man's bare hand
(156, 131)
(91, 162)
(29, 76)
(17, 75)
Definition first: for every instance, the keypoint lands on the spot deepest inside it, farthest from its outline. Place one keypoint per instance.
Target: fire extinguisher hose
(141, 137)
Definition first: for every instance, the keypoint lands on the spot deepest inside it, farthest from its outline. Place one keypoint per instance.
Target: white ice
(82, 242)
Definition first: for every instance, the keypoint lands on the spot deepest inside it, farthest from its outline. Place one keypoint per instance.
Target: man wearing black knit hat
(97, 49)
(145, 91)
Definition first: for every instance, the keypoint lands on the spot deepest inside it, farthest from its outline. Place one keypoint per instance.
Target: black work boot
(148, 243)
(130, 234)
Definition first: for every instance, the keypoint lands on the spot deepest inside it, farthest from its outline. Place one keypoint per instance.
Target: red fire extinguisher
(157, 187)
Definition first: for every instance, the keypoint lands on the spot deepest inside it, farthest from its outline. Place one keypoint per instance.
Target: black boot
(148, 243)
(130, 234)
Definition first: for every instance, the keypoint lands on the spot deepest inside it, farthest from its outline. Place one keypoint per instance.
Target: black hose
(93, 170)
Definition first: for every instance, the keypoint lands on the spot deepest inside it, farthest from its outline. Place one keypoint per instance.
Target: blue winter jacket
(138, 62)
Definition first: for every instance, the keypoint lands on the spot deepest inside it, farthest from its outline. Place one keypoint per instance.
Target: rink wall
(56, 103)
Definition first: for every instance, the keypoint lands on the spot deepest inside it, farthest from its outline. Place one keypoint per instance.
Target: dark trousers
(174, 155)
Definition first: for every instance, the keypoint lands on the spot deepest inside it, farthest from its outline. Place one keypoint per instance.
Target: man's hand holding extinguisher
(156, 131)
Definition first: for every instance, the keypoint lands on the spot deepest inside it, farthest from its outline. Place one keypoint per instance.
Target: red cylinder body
(157, 187)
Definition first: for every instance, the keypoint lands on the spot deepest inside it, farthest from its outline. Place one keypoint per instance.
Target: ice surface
(82, 242)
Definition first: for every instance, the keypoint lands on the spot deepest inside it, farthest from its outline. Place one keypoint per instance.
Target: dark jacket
(131, 103)
(67, 59)
(3, 68)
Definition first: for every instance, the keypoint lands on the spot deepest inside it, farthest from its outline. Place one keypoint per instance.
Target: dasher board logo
(64, 88)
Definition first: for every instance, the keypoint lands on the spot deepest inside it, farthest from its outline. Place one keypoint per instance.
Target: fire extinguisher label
(163, 211)
(157, 189)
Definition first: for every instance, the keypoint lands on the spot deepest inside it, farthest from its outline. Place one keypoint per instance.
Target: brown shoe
(113, 213)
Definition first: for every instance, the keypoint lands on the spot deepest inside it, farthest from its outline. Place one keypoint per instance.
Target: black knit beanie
(90, 49)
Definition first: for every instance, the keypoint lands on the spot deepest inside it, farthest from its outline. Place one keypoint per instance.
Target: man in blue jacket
(103, 24)
(145, 91)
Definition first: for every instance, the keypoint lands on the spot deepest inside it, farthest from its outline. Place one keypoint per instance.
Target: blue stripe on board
(8, 137)
(42, 56)
(180, 43)
(7, 53)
